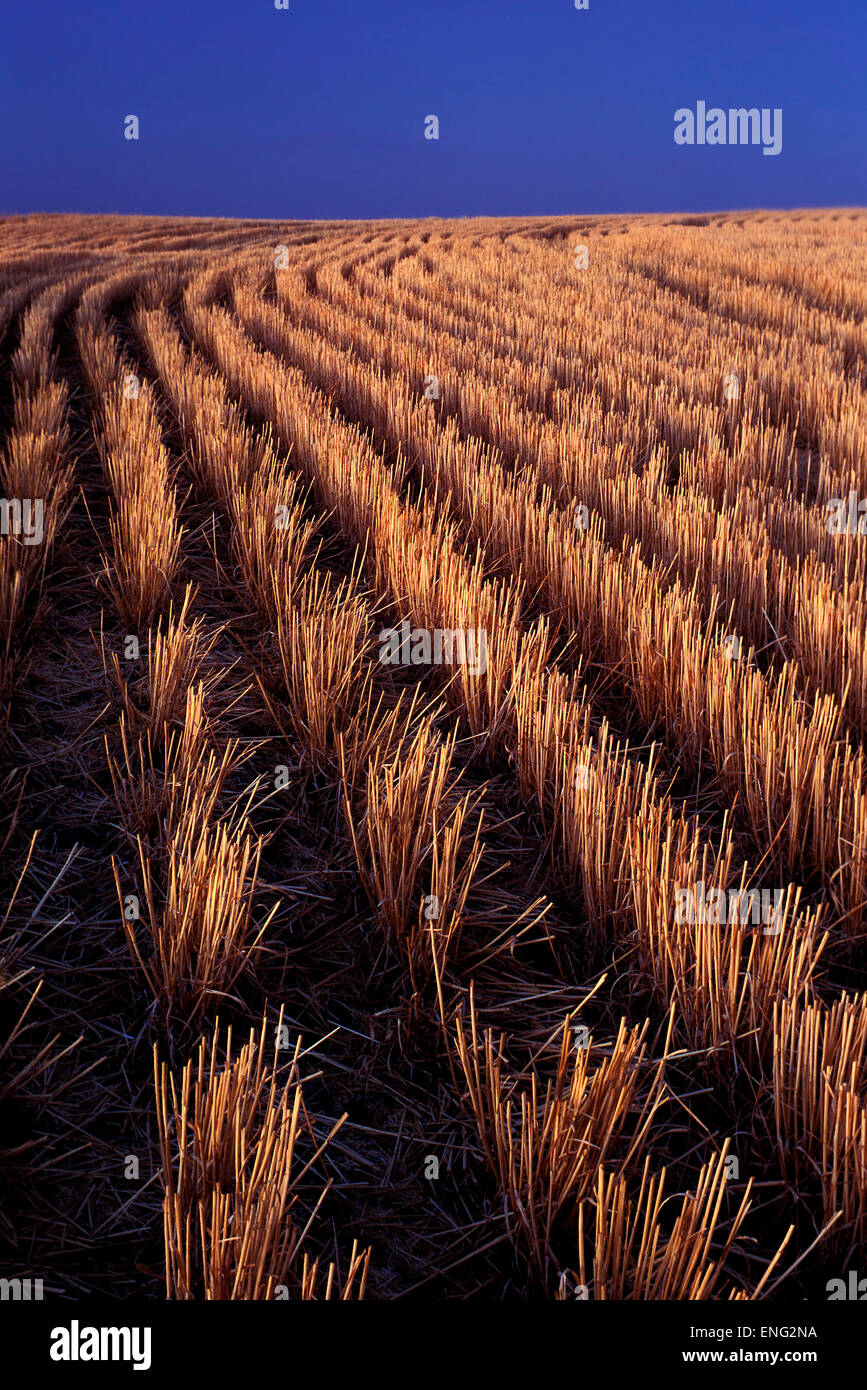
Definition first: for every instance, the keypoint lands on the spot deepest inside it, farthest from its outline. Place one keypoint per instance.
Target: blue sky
(318, 111)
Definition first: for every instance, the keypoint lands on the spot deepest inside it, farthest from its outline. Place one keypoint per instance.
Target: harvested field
(433, 803)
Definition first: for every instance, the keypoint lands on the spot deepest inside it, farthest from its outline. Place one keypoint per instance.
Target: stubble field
(433, 803)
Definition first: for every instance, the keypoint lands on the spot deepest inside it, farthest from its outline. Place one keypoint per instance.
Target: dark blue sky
(319, 111)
